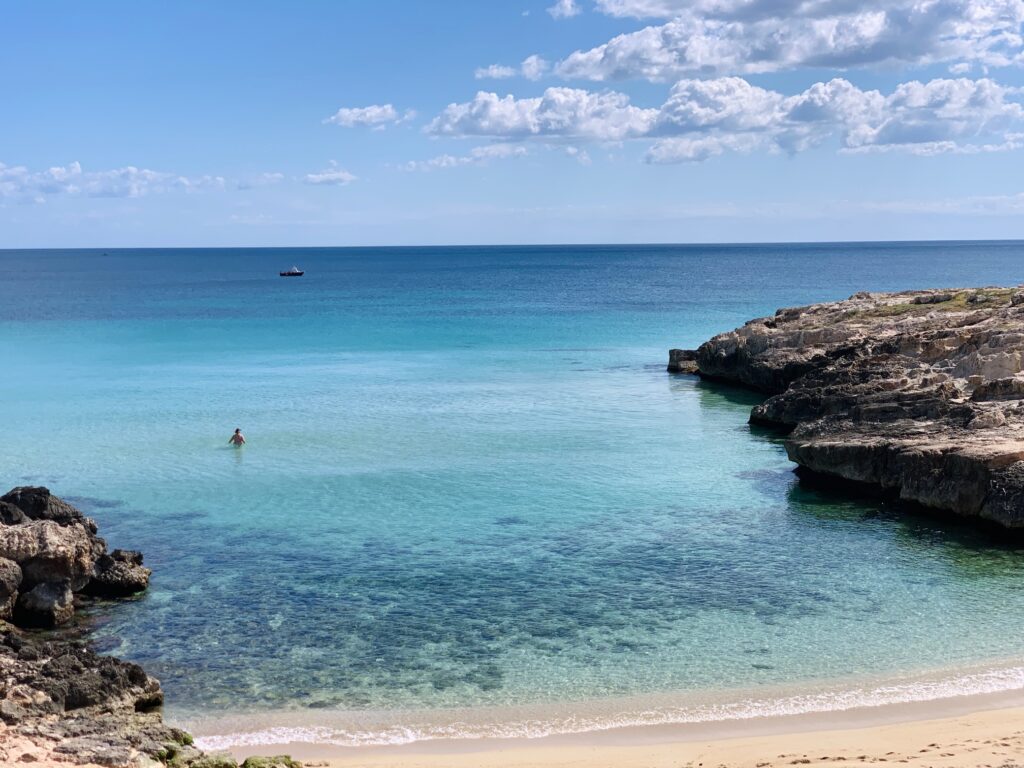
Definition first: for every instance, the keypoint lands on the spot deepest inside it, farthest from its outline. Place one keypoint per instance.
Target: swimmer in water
(237, 439)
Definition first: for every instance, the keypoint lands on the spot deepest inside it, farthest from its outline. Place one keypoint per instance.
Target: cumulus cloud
(713, 37)
(374, 116)
(331, 176)
(704, 118)
(477, 156)
(495, 72)
(532, 68)
(21, 183)
(564, 9)
(559, 113)
(643, 9)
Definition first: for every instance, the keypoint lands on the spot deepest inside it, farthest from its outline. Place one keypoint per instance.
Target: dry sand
(989, 739)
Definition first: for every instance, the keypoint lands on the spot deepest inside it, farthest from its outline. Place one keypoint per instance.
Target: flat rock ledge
(919, 393)
(60, 703)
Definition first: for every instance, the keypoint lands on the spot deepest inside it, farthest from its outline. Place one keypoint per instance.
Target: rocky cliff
(920, 393)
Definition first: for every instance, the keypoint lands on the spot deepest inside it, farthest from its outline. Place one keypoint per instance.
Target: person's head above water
(238, 430)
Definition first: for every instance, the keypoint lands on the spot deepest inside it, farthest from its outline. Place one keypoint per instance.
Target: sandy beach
(924, 734)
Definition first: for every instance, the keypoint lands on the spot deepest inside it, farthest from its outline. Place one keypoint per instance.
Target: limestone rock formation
(118, 574)
(682, 361)
(56, 552)
(60, 702)
(57, 698)
(39, 504)
(920, 392)
(10, 582)
(49, 552)
(47, 604)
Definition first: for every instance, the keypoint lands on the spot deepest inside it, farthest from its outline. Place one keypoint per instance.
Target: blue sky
(386, 122)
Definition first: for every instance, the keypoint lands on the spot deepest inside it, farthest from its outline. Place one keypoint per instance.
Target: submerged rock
(920, 393)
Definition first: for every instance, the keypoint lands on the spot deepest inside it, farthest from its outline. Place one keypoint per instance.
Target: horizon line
(650, 244)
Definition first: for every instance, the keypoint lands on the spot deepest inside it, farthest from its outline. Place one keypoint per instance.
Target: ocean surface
(472, 501)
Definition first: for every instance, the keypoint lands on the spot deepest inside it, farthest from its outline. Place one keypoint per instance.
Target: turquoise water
(470, 486)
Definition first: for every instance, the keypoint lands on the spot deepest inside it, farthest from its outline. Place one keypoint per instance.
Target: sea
(472, 502)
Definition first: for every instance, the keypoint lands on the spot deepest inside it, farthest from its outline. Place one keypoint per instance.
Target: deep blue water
(469, 483)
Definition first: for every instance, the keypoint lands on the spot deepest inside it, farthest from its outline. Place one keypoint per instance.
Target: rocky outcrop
(682, 361)
(60, 703)
(47, 551)
(58, 553)
(919, 393)
(38, 503)
(47, 604)
(118, 574)
(10, 583)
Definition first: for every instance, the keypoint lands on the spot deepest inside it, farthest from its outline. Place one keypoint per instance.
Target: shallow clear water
(469, 483)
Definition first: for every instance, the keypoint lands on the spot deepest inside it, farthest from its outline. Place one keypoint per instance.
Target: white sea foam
(354, 729)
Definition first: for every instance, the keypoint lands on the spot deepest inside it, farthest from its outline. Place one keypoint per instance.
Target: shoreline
(904, 730)
(853, 702)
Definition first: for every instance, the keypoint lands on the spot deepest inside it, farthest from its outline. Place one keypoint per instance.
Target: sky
(391, 122)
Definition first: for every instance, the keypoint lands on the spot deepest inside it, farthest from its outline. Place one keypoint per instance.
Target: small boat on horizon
(293, 272)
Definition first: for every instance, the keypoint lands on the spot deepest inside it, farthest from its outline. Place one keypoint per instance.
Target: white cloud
(21, 183)
(333, 176)
(698, 148)
(643, 9)
(477, 156)
(941, 111)
(560, 112)
(709, 37)
(375, 116)
(564, 9)
(495, 72)
(704, 118)
(532, 68)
